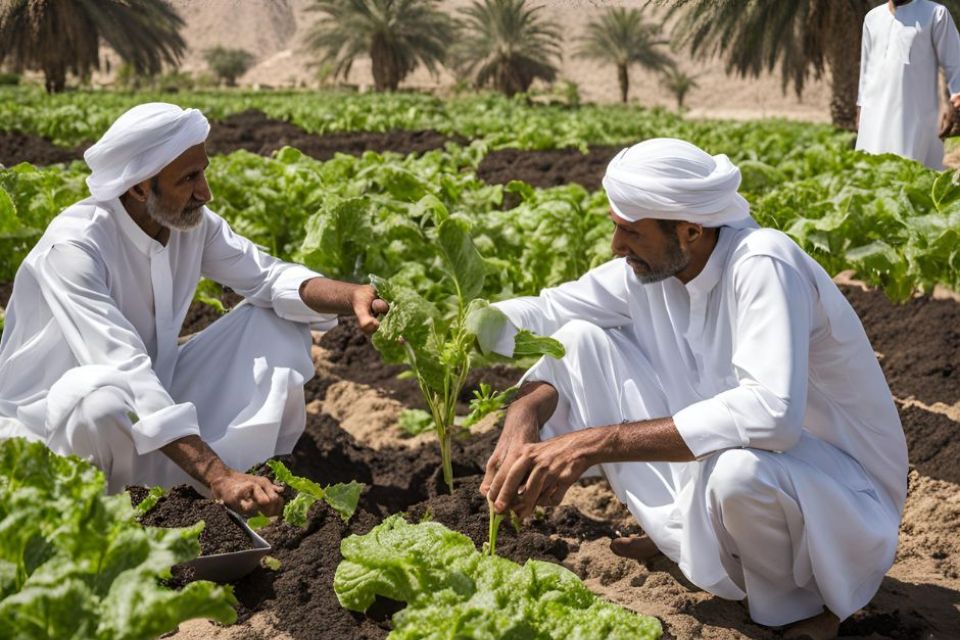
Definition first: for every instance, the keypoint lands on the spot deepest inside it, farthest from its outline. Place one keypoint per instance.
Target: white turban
(139, 144)
(671, 179)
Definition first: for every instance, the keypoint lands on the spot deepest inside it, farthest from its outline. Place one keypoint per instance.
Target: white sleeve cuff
(288, 304)
(505, 341)
(162, 427)
(707, 426)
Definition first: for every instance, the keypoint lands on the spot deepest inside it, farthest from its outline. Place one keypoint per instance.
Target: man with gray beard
(90, 362)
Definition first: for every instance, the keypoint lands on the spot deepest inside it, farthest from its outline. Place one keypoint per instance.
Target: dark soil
(919, 340)
(547, 168)
(183, 507)
(933, 441)
(17, 147)
(250, 130)
(255, 132)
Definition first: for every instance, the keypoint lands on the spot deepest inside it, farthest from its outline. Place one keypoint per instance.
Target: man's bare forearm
(645, 440)
(656, 440)
(324, 295)
(195, 456)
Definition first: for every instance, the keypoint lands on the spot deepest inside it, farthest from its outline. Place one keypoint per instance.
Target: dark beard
(900, 3)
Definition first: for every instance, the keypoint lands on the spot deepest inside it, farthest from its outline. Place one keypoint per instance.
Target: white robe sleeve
(599, 296)
(73, 282)
(265, 281)
(946, 42)
(864, 62)
(770, 356)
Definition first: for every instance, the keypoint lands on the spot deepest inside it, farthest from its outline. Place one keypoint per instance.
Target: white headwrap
(139, 144)
(671, 179)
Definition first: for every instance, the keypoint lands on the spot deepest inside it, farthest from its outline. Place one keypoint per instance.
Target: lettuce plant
(452, 591)
(76, 564)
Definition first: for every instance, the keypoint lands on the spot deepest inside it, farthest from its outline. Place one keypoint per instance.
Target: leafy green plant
(434, 340)
(341, 497)
(75, 563)
(451, 590)
(486, 401)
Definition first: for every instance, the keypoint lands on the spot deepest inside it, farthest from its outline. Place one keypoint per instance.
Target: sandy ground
(273, 31)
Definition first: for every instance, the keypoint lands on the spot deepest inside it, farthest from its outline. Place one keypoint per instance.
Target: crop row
(893, 221)
(71, 119)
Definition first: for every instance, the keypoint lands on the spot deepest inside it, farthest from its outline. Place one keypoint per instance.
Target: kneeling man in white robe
(720, 381)
(90, 362)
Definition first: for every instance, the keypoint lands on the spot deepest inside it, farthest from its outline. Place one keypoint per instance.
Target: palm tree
(396, 34)
(61, 36)
(678, 83)
(507, 44)
(620, 37)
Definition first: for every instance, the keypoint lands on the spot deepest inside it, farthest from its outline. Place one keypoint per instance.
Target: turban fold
(139, 144)
(671, 179)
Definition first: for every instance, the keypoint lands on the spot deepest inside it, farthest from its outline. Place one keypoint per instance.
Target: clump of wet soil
(255, 132)
(182, 506)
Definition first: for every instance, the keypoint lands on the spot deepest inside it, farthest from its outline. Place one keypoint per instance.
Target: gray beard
(676, 262)
(184, 220)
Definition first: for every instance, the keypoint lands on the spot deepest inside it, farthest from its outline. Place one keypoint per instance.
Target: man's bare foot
(640, 548)
(824, 626)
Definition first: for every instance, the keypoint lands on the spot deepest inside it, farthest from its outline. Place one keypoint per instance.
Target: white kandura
(898, 95)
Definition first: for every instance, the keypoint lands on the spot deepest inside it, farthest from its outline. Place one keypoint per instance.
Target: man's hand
(367, 306)
(955, 101)
(248, 495)
(540, 473)
(333, 296)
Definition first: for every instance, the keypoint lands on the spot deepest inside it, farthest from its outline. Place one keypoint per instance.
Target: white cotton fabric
(99, 304)
(670, 179)
(760, 355)
(139, 144)
(898, 94)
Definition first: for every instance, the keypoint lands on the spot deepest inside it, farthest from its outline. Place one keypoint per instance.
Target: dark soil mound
(17, 147)
(255, 132)
(933, 441)
(183, 507)
(919, 340)
(547, 168)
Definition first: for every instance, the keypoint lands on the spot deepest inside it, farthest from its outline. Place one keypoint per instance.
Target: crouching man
(90, 362)
(725, 388)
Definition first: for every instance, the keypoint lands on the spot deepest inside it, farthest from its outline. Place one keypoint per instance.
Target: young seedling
(342, 497)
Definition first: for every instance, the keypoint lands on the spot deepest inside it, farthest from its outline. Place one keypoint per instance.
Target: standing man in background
(904, 43)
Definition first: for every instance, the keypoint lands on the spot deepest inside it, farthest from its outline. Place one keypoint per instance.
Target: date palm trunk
(843, 57)
(385, 67)
(623, 77)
